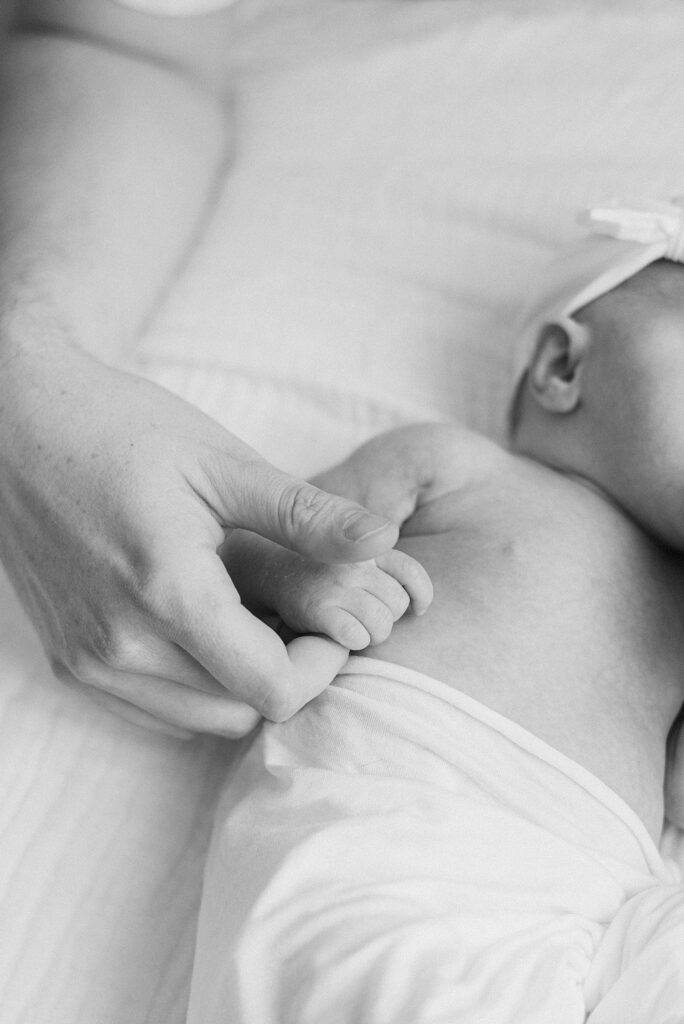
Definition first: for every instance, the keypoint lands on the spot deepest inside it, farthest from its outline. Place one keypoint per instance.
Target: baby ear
(555, 374)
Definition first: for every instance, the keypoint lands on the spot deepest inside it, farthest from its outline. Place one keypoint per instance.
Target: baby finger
(343, 627)
(412, 577)
(388, 590)
(373, 613)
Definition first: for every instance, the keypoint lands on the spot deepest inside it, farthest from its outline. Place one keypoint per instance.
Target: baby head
(600, 379)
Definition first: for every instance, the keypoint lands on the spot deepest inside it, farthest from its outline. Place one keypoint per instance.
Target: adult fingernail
(361, 526)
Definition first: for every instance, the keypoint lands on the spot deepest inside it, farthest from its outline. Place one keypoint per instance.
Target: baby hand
(354, 604)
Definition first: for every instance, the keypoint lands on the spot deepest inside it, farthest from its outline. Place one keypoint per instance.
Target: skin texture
(353, 604)
(551, 606)
(611, 413)
(610, 409)
(557, 567)
(115, 496)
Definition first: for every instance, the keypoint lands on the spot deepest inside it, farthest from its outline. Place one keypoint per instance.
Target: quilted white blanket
(402, 170)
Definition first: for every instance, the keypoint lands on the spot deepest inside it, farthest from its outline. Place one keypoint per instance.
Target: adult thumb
(303, 517)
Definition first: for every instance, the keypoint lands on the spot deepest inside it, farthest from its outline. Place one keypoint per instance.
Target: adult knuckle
(102, 639)
(76, 661)
(60, 669)
(105, 647)
(153, 595)
(171, 606)
(112, 646)
(302, 506)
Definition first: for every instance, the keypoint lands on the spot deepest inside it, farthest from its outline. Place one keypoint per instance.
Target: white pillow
(401, 174)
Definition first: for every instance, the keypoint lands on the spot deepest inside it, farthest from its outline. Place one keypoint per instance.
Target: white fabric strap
(175, 8)
(639, 222)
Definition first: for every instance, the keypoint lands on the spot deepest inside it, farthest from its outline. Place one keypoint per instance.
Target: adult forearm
(114, 494)
(107, 166)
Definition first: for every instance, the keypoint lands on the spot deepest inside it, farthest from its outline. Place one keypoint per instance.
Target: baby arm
(403, 473)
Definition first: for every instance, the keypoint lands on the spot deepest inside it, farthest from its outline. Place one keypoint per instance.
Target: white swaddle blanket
(400, 853)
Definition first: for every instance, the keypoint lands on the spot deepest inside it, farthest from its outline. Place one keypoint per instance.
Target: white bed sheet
(401, 172)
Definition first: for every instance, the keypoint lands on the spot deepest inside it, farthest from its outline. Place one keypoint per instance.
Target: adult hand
(114, 498)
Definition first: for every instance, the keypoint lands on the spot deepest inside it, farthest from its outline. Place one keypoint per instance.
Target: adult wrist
(37, 357)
